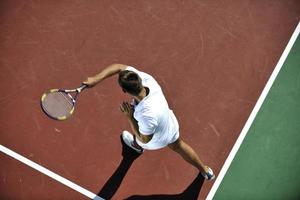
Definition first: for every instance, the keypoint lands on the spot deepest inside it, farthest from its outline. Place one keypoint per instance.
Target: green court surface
(268, 162)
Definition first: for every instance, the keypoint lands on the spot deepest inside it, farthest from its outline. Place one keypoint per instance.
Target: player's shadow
(190, 193)
(114, 182)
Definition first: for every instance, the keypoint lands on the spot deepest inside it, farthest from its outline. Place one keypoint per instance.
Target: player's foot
(209, 174)
(129, 141)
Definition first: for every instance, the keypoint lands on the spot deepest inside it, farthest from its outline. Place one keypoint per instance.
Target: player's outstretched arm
(105, 73)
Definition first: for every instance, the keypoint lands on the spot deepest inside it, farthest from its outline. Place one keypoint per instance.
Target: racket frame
(66, 91)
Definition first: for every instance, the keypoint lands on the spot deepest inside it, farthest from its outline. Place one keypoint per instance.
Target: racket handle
(82, 87)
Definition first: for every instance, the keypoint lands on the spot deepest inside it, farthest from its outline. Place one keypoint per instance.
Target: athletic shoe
(209, 175)
(129, 141)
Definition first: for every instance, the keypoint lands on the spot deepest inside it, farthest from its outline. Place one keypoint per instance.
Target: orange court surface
(211, 58)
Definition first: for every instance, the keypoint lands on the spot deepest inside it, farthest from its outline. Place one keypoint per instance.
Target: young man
(153, 124)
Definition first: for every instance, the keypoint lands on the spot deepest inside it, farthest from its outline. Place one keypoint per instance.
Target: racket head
(57, 104)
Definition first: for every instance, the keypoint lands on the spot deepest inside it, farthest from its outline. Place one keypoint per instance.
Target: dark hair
(130, 82)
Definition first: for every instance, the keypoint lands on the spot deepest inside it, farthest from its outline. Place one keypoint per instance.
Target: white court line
(50, 173)
(253, 114)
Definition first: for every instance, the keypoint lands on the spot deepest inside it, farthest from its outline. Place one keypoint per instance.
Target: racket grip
(82, 87)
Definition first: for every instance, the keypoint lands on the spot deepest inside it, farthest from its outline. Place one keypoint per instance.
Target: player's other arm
(127, 109)
(135, 128)
(105, 73)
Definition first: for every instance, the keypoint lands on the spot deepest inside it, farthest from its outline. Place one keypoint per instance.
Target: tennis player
(153, 124)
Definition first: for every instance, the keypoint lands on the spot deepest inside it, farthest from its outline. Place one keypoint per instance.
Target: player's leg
(191, 157)
(188, 154)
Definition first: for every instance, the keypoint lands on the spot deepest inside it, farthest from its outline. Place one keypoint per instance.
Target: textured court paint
(267, 165)
(254, 112)
(227, 49)
(49, 173)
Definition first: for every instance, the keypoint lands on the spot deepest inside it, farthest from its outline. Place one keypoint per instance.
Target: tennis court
(213, 60)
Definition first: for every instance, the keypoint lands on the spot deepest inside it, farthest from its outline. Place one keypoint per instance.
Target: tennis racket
(59, 104)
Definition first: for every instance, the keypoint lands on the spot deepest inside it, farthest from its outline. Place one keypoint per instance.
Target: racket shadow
(129, 156)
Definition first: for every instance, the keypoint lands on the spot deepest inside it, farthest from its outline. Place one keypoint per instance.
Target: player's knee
(177, 145)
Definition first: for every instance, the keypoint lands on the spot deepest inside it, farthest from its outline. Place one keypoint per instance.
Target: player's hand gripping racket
(59, 104)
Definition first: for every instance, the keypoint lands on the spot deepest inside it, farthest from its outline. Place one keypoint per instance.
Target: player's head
(130, 82)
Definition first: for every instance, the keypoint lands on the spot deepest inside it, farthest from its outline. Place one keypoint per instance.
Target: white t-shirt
(154, 116)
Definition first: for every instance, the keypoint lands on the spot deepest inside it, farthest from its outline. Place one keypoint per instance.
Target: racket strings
(68, 97)
(58, 104)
